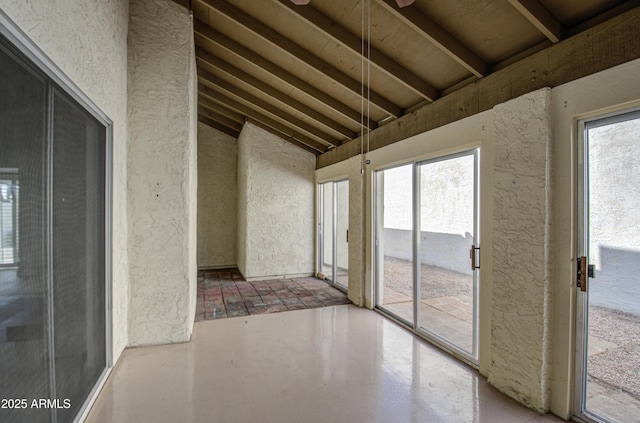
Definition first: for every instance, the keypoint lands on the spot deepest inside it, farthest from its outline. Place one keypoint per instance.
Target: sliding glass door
(608, 291)
(426, 248)
(447, 235)
(395, 241)
(53, 314)
(334, 232)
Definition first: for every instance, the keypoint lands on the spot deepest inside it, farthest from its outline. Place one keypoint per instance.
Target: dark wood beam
(267, 66)
(207, 58)
(221, 119)
(183, 3)
(267, 107)
(602, 47)
(540, 17)
(209, 95)
(426, 27)
(284, 136)
(299, 53)
(223, 111)
(216, 125)
(378, 59)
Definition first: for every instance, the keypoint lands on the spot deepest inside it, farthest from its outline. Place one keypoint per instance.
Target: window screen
(53, 232)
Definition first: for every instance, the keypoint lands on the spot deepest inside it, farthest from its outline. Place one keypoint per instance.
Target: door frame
(475, 152)
(473, 359)
(580, 411)
(34, 57)
(321, 231)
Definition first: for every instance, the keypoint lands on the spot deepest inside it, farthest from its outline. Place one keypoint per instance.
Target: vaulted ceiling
(318, 74)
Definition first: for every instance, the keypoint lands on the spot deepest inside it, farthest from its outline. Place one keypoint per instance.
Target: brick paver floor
(224, 293)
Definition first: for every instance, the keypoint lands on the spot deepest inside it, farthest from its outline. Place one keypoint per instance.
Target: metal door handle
(582, 273)
(475, 264)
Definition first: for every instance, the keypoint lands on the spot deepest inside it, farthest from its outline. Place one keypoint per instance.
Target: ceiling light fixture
(300, 2)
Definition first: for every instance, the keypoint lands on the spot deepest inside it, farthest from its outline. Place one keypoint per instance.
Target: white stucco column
(275, 206)
(521, 319)
(162, 168)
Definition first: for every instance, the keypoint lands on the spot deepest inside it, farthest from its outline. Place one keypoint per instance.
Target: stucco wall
(217, 198)
(521, 313)
(275, 206)
(162, 173)
(88, 42)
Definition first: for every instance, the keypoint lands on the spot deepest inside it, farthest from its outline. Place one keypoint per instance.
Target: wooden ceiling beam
(209, 59)
(183, 3)
(381, 61)
(425, 26)
(541, 18)
(209, 95)
(223, 111)
(299, 53)
(220, 118)
(284, 136)
(255, 59)
(265, 106)
(216, 125)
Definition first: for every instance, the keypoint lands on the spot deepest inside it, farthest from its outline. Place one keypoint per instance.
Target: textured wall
(522, 250)
(275, 206)
(357, 231)
(162, 173)
(88, 42)
(217, 198)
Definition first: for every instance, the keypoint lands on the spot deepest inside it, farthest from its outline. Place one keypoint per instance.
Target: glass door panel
(326, 230)
(334, 232)
(342, 233)
(24, 326)
(395, 241)
(53, 316)
(9, 217)
(608, 318)
(447, 233)
(78, 200)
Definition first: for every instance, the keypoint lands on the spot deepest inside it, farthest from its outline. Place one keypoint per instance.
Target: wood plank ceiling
(298, 70)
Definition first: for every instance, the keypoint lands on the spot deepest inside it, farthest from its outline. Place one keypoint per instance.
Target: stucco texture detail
(356, 231)
(275, 206)
(162, 173)
(217, 198)
(88, 41)
(521, 321)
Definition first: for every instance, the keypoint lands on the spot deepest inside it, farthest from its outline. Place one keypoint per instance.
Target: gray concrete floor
(332, 364)
(613, 387)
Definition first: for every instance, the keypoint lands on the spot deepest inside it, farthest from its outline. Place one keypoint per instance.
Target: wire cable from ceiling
(365, 76)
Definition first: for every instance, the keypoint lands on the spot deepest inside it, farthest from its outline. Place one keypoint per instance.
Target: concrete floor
(334, 364)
